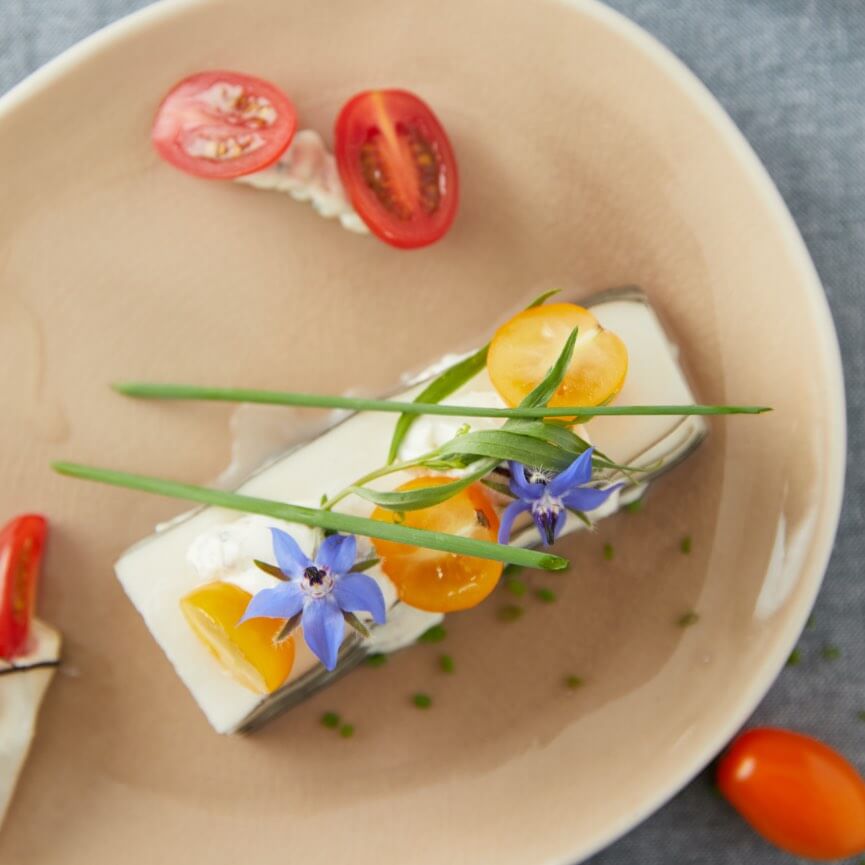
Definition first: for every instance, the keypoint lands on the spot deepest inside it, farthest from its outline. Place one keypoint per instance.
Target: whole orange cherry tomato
(796, 792)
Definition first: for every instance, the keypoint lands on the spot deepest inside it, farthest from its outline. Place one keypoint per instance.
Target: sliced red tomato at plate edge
(398, 167)
(185, 120)
(22, 542)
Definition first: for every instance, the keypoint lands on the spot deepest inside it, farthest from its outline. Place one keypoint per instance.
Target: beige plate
(589, 157)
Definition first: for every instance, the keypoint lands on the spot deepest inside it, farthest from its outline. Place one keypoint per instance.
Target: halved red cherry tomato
(397, 166)
(21, 545)
(223, 124)
(796, 792)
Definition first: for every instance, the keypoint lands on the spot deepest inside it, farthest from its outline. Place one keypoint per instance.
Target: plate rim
(828, 346)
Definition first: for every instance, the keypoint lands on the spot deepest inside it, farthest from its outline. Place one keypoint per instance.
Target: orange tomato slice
(247, 651)
(436, 581)
(523, 350)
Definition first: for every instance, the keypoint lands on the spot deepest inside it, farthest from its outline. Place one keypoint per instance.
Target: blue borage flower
(320, 595)
(549, 497)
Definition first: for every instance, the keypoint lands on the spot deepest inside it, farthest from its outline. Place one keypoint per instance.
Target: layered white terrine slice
(212, 544)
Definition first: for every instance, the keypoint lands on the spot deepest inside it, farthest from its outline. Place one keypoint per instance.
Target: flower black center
(315, 576)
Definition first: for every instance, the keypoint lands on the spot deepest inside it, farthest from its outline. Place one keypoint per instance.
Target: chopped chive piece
(686, 544)
(435, 634)
(422, 701)
(346, 731)
(830, 653)
(573, 682)
(688, 619)
(795, 658)
(635, 506)
(811, 622)
(376, 659)
(516, 586)
(609, 552)
(446, 664)
(509, 613)
(547, 596)
(330, 719)
(861, 715)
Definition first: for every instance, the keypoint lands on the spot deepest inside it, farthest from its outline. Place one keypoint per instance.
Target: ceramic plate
(589, 158)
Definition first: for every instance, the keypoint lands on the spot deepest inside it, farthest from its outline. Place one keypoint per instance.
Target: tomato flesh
(398, 167)
(796, 792)
(223, 124)
(21, 544)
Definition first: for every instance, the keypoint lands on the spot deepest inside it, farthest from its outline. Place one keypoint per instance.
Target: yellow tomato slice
(247, 651)
(436, 581)
(523, 350)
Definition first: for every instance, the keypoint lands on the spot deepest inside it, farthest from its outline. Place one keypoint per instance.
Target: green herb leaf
(273, 570)
(635, 506)
(685, 545)
(504, 445)
(516, 586)
(288, 628)
(795, 658)
(422, 701)
(425, 497)
(609, 552)
(376, 659)
(546, 596)
(509, 613)
(319, 518)
(573, 682)
(440, 387)
(435, 634)
(330, 719)
(346, 731)
(547, 388)
(365, 565)
(688, 619)
(354, 622)
(495, 486)
(446, 664)
(830, 653)
(446, 383)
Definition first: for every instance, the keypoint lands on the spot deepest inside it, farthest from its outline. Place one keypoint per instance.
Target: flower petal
(323, 629)
(358, 592)
(510, 513)
(578, 472)
(550, 522)
(520, 485)
(338, 553)
(292, 560)
(587, 499)
(280, 602)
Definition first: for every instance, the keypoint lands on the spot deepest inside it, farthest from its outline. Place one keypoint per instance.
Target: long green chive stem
(311, 400)
(318, 518)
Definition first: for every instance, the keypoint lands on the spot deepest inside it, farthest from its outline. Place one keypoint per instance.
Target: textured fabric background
(792, 75)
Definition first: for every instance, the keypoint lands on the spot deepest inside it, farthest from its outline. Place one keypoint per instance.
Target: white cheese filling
(217, 544)
(23, 683)
(307, 172)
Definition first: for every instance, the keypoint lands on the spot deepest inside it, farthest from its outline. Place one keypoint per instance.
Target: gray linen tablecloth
(792, 75)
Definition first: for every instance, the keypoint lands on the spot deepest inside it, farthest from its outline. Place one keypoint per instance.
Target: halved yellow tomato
(247, 651)
(436, 581)
(523, 350)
